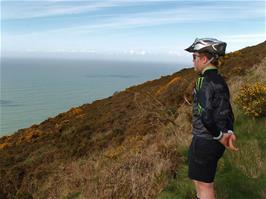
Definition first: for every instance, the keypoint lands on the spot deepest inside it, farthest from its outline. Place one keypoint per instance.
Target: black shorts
(203, 157)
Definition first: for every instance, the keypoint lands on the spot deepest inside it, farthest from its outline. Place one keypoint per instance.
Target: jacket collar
(208, 68)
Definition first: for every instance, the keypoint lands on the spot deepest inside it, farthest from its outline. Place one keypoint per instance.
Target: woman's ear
(205, 59)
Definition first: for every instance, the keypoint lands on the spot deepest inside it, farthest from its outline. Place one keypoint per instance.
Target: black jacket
(212, 111)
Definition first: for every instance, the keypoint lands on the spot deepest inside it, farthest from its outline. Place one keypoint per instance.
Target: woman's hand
(232, 139)
(228, 140)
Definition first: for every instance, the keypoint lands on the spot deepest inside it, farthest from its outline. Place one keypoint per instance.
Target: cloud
(137, 52)
(36, 9)
(179, 14)
(61, 50)
(113, 19)
(245, 38)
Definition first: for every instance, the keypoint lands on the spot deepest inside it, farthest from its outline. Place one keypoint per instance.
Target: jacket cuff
(219, 136)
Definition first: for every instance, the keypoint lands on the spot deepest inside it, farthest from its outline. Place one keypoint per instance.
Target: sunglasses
(194, 56)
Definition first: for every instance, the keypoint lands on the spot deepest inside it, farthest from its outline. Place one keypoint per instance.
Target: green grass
(73, 195)
(240, 175)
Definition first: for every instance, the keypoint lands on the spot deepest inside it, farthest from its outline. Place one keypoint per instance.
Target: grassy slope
(240, 175)
(125, 146)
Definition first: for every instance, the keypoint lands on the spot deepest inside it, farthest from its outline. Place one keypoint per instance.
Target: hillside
(129, 145)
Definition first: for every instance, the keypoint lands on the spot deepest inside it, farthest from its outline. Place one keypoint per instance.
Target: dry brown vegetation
(123, 146)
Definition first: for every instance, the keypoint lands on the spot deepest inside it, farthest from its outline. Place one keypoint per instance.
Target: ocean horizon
(34, 89)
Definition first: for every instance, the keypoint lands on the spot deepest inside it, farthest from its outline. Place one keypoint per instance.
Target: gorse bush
(252, 99)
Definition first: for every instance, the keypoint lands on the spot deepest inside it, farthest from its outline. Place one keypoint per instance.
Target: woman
(213, 117)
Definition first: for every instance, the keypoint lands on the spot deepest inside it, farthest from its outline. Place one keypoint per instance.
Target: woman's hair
(215, 61)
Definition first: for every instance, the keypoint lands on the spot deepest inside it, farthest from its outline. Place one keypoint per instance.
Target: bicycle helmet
(208, 45)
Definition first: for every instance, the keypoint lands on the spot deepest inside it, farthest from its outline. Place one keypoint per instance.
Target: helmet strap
(208, 62)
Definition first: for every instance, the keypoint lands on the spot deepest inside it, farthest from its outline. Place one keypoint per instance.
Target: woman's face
(199, 62)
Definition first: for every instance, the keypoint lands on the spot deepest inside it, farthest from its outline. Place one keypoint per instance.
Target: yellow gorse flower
(252, 99)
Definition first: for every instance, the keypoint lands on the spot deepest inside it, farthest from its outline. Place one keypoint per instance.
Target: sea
(34, 89)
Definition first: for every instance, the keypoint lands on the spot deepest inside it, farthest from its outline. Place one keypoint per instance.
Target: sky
(157, 30)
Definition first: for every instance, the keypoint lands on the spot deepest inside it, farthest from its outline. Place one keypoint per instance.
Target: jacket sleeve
(223, 114)
(216, 114)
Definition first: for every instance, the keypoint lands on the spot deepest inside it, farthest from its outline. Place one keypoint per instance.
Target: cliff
(125, 146)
